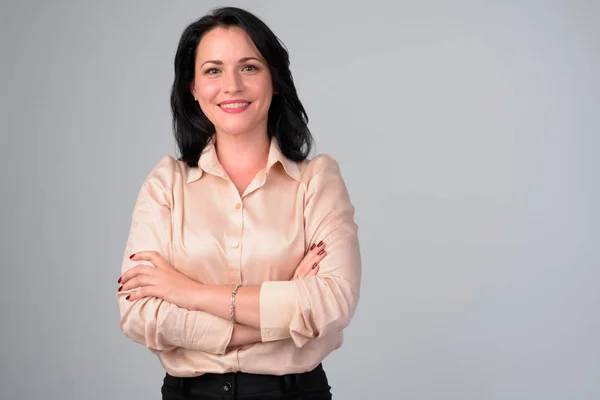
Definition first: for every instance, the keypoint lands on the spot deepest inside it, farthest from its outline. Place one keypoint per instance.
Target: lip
(234, 110)
(234, 101)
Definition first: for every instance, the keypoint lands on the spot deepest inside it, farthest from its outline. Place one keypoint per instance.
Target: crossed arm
(162, 281)
(164, 309)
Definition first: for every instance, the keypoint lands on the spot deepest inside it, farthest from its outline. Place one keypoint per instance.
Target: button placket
(236, 241)
(238, 208)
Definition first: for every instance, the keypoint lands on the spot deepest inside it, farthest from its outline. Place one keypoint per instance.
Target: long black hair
(287, 119)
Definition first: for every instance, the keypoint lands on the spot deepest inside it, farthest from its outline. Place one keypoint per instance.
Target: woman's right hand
(309, 266)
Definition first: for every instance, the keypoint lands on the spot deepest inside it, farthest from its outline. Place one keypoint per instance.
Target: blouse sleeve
(314, 306)
(151, 321)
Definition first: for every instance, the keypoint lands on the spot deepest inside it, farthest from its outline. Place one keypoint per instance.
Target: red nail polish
(119, 281)
(321, 252)
(320, 244)
(127, 298)
(313, 246)
(120, 288)
(131, 256)
(314, 266)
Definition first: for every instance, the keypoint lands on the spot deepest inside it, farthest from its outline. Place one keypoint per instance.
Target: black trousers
(311, 385)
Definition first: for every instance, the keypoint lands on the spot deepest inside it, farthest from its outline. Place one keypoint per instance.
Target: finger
(311, 272)
(306, 271)
(315, 253)
(312, 258)
(153, 256)
(321, 254)
(141, 292)
(319, 246)
(314, 271)
(140, 269)
(300, 271)
(316, 247)
(138, 281)
(304, 266)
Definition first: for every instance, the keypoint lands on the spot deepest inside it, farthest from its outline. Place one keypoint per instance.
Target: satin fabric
(196, 219)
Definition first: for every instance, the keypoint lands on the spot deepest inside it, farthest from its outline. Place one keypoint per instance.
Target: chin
(236, 129)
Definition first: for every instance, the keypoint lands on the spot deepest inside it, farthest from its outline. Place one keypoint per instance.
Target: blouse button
(235, 245)
(238, 206)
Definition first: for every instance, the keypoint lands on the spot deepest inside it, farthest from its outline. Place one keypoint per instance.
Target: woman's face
(232, 82)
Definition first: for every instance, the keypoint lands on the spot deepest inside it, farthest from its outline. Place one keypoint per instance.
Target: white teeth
(234, 105)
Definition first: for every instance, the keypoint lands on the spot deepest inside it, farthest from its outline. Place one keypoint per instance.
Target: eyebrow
(241, 60)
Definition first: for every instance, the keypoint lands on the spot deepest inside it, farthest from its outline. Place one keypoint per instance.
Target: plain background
(467, 133)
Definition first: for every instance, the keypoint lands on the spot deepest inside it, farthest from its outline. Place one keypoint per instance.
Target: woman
(242, 265)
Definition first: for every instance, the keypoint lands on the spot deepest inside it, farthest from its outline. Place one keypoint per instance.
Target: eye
(211, 71)
(249, 68)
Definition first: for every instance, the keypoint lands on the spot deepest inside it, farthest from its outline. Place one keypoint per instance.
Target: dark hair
(287, 119)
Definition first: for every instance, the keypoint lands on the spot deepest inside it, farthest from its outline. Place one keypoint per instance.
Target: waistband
(242, 383)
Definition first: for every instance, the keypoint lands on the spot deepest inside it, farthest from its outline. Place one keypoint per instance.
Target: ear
(193, 91)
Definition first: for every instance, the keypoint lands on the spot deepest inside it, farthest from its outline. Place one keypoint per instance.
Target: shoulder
(167, 173)
(163, 182)
(320, 166)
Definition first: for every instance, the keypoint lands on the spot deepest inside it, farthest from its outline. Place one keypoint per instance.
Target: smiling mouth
(234, 105)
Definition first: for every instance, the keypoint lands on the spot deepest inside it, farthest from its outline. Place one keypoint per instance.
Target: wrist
(201, 296)
(232, 305)
(243, 335)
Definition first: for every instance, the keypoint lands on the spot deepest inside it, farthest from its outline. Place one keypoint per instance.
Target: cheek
(261, 86)
(206, 94)
(206, 110)
(206, 90)
(267, 105)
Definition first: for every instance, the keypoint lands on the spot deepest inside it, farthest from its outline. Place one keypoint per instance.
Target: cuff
(277, 304)
(211, 334)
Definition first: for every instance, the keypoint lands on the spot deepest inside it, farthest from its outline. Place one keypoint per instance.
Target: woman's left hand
(159, 280)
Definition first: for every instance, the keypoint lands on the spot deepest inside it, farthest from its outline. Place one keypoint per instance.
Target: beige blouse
(197, 220)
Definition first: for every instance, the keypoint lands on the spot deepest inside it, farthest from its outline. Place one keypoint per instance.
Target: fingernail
(321, 252)
(120, 288)
(131, 256)
(314, 266)
(313, 246)
(320, 244)
(127, 298)
(119, 281)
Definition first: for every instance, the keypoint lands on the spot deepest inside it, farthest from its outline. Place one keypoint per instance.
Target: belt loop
(290, 382)
(181, 386)
(287, 383)
(234, 388)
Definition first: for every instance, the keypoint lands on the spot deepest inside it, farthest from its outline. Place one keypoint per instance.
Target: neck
(242, 153)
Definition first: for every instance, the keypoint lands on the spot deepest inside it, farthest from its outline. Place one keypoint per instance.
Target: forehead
(226, 44)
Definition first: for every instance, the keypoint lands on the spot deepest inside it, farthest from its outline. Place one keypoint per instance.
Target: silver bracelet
(232, 307)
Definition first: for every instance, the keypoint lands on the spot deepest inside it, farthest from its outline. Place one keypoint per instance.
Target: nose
(232, 82)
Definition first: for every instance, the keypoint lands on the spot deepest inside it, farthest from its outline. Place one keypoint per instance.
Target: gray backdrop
(467, 133)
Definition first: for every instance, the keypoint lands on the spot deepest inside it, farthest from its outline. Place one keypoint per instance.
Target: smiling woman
(232, 78)
(242, 265)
